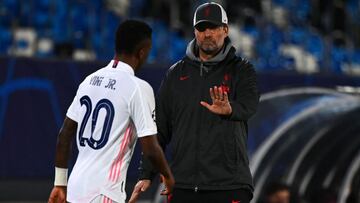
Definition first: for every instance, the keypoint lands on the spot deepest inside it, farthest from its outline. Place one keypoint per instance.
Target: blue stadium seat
(136, 7)
(251, 30)
(302, 10)
(9, 11)
(41, 14)
(268, 45)
(6, 19)
(161, 43)
(45, 52)
(90, 24)
(79, 25)
(41, 19)
(177, 47)
(339, 55)
(353, 9)
(25, 18)
(42, 4)
(315, 45)
(298, 35)
(5, 39)
(102, 39)
(79, 18)
(10, 4)
(60, 26)
(355, 57)
(283, 3)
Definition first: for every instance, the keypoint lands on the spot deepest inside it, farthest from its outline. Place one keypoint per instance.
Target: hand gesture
(141, 186)
(169, 185)
(220, 102)
(58, 195)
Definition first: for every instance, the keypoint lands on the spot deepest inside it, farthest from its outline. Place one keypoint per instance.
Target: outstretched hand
(139, 188)
(168, 183)
(220, 102)
(143, 185)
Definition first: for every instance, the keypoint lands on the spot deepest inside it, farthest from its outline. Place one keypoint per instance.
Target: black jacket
(208, 151)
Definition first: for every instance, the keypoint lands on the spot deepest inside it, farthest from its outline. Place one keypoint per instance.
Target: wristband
(60, 176)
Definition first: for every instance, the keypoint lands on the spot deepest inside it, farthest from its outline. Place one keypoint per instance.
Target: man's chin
(209, 51)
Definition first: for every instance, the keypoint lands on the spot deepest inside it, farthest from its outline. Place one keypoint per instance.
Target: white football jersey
(112, 108)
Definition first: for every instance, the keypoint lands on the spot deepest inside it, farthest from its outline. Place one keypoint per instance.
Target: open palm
(220, 102)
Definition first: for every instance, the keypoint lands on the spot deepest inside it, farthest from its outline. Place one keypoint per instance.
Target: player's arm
(153, 153)
(149, 167)
(247, 96)
(63, 149)
(164, 127)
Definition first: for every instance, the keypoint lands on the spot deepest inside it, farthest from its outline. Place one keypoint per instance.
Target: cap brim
(208, 21)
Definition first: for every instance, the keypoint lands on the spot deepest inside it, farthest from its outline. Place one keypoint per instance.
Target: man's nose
(208, 32)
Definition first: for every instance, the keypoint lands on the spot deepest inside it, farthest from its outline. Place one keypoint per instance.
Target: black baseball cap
(210, 12)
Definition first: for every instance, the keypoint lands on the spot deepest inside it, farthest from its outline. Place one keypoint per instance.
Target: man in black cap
(203, 106)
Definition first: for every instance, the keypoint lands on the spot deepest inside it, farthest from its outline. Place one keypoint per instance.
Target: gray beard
(209, 51)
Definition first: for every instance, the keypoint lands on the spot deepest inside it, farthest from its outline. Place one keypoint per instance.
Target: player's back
(103, 108)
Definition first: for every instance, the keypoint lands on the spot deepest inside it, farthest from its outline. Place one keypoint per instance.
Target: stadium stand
(280, 35)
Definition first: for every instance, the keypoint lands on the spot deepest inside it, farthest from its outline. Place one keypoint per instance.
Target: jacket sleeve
(246, 97)
(163, 122)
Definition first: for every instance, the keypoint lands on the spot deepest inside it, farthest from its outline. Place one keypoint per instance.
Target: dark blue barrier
(35, 94)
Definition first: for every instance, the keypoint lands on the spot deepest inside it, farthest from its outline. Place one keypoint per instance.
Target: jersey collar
(119, 65)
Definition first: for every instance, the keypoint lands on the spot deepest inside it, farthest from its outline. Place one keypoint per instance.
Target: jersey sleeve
(74, 108)
(142, 110)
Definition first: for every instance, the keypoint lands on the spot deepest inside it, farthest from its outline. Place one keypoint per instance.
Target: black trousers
(210, 196)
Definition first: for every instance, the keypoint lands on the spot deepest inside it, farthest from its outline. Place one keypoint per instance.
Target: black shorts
(210, 196)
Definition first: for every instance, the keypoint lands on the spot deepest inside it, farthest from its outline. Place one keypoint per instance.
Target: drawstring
(202, 67)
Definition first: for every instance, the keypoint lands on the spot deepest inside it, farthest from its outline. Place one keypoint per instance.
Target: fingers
(226, 97)
(56, 199)
(205, 104)
(169, 185)
(220, 92)
(162, 178)
(140, 187)
(216, 93)
(144, 187)
(165, 192)
(58, 195)
(135, 194)
(212, 94)
(134, 197)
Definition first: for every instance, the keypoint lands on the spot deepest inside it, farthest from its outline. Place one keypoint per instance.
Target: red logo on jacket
(225, 83)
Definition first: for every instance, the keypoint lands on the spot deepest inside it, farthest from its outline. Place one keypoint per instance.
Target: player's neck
(128, 59)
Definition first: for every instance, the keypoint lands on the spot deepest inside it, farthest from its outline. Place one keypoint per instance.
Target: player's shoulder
(175, 69)
(242, 65)
(176, 65)
(97, 72)
(91, 75)
(142, 84)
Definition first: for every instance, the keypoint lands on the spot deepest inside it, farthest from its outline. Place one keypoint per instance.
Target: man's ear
(138, 52)
(226, 29)
(141, 52)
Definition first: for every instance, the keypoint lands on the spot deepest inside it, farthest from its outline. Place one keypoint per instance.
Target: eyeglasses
(201, 27)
